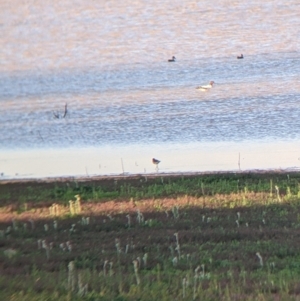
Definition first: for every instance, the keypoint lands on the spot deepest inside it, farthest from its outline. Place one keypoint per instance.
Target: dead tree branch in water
(40, 136)
(66, 110)
(56, 114)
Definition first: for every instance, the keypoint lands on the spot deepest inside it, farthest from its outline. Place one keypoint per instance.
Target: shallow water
(126, 103)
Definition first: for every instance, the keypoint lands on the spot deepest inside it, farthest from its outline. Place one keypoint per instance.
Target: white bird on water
(206, 87)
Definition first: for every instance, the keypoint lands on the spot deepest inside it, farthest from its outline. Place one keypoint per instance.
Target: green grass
(224, 224)
(141, 187)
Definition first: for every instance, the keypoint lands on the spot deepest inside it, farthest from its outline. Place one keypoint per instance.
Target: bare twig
(40, 136)
(66, 110)
(56, 114)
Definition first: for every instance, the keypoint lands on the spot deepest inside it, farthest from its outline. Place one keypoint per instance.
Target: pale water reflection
(108, 60)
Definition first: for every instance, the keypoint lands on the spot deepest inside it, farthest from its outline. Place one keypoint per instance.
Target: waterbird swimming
(240, 56)
(172, 59)
(206, 87)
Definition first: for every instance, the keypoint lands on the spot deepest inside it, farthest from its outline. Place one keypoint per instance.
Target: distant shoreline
(133, 177)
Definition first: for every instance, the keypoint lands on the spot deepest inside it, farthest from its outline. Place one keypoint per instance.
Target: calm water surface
(108, 61)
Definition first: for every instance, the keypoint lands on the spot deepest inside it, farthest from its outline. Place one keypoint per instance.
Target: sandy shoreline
(136, 177)
(131, 160)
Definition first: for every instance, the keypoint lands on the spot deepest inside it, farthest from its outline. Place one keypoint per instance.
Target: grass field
(201, 237)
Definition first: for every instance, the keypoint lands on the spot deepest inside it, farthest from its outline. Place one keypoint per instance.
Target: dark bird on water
(155, 161)
(240, 56)
(172, 59)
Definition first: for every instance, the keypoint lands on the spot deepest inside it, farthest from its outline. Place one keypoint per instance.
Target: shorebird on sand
(155, 161)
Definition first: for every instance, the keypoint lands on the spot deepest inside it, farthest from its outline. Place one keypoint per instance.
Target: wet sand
(133, 179)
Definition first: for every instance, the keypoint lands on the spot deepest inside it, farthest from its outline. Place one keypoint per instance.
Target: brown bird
(155, 161)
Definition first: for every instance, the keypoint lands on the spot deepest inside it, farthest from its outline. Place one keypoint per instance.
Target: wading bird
(155, 161)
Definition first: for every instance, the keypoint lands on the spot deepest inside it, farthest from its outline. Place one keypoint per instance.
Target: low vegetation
(205, 237)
